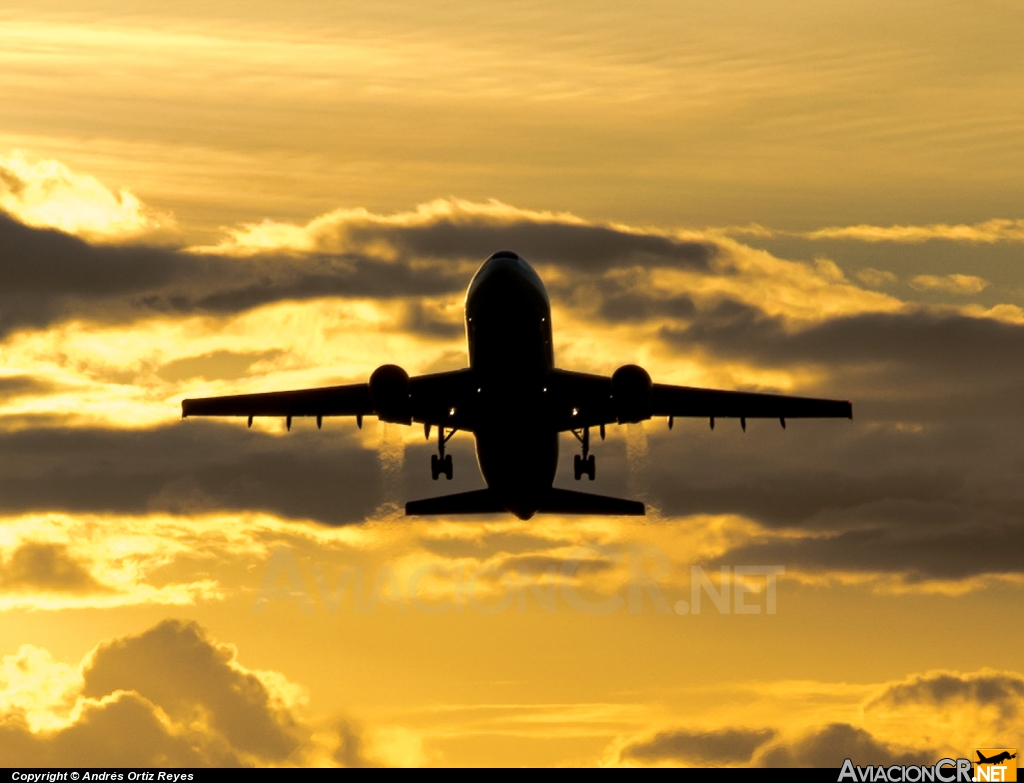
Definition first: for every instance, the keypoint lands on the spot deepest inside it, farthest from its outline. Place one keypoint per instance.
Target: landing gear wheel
(581, 465)
(441, 462)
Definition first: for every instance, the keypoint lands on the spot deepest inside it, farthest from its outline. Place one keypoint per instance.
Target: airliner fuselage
(508, 330)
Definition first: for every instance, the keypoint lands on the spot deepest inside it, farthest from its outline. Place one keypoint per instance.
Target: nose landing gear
(585, 463)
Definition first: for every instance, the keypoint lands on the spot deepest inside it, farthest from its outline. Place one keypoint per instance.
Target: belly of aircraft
(518, 463)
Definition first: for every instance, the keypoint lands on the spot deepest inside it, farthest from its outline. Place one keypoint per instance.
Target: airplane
(515, 402)
(996, 759)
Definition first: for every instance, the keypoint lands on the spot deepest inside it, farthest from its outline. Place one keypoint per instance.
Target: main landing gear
(441, 462)
(585, 463)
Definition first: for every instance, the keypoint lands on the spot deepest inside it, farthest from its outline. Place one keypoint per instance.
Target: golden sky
(813, 198)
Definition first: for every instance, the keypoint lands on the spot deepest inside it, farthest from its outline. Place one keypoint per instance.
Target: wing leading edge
(580, 400)
(351, 400)
(442, 399)
(688, 401)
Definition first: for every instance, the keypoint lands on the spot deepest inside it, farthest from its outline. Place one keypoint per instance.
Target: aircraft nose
(502, 273)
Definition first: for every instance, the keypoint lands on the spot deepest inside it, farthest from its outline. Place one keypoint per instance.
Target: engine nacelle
(631, 394)
(389, 394)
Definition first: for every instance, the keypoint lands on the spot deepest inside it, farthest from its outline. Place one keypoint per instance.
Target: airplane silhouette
(996, 759)
(515, 402)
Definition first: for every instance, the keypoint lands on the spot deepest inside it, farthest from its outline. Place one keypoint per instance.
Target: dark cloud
(917, 365)
(584, 247)
(47, 276)
(169, 697)
(350, 752)
(876, 498)
(43, 566)
(430, 322)
(830, 746)
(623, 296)
(947, 553)
(124, 731)
(923, 482)
(13, 386)
(259, 281)
(682, 746)
(919, 337)
(191, 466)
(178, 668)
(946, 691)
(196, 466)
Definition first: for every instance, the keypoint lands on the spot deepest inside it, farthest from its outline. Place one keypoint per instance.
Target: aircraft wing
(350, 400)
(585, 400)
(442, 399)
(688, 401)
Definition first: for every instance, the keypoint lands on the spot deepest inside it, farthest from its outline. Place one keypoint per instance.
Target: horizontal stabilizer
(479, 501)
(558, 501)
(565, 501)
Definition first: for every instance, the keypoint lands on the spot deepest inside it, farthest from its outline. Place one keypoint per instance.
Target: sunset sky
(812, 198)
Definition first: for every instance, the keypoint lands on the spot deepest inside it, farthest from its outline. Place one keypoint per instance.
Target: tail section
(566, 501)
(480, 501)
(557, 501)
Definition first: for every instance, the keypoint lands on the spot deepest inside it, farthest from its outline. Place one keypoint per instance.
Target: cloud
(693, 308)
(122, 730)
(58, 561)
(1000, 694)
(940, 357)
(47, 194)
(351, 749)
(697, 748)
(46, 567)
(170, 696)
(456, 229)
(176, 667)
(915, 720)
(830, 746)
(49, 277)
(986, 232)
(876, 278)
(823, 747)
(950, 284)
(192, 466)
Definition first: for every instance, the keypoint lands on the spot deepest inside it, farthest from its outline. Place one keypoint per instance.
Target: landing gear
(581, 466)
(441, 462)
(584, 463)
(439, 465)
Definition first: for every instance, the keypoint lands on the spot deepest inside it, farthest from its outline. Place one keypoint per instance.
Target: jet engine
(389, 394)
(631, 394)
